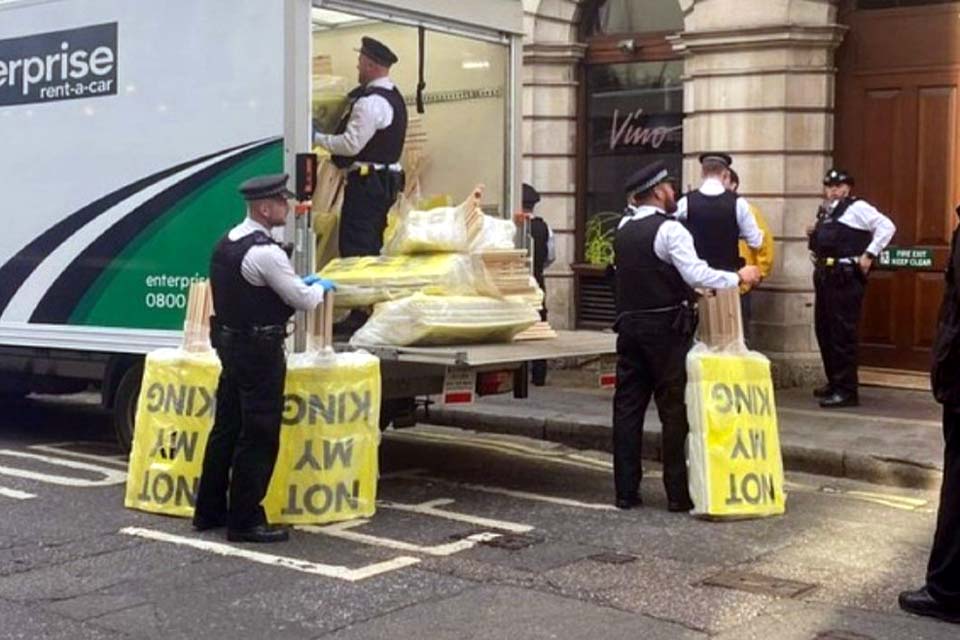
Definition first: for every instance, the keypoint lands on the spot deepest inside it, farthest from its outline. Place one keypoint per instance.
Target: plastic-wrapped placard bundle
(735, 466)
(175, 411)
(364, 281)
(443, 229)
(435, 320)
(326, 470)
(489, 233)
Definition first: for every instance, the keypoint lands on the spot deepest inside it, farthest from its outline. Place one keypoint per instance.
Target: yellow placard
(735, 466)
(326, 468)
(175, 412)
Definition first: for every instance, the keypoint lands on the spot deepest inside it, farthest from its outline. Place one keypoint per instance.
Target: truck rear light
(494, 382)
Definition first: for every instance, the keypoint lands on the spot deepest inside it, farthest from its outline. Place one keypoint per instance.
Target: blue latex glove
(327, 285)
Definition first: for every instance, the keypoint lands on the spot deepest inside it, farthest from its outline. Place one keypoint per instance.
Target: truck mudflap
(567, 344)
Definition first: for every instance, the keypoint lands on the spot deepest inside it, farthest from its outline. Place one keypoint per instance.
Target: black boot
(838, 400)
(921, 603)
(259, 533)
(823, 392)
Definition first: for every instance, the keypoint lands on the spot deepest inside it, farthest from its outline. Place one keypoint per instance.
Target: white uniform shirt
(369, 115)
(266, 265)
(674, 245)
(749, 230)
(864, 216)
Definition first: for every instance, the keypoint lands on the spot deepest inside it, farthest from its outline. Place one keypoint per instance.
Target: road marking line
(57, 449)
(526, 495)
(340, 530)
(111, 476)
(429, 509)
(286, 562)
(16, 495)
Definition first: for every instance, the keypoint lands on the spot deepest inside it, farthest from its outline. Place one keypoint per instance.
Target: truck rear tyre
(125, 405)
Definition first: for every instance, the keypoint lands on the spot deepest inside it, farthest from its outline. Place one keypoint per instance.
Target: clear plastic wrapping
(436, 320)
(364, 281)
(443, 229)
(491, 233)
(733, 449)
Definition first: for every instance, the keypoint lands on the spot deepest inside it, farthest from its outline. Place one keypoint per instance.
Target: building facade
(788, 88)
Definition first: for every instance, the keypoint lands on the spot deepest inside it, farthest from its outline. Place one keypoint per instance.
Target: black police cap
(530, 197)
(713, 156)
(262, 187)
(377, 51)
(647, 177)
(837, 176)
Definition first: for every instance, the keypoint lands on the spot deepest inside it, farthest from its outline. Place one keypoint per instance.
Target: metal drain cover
(513, 541)
(612, 558)
(759, 583)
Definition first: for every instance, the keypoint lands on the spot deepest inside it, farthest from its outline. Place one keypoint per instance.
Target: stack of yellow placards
(448, 275)
(735, 466)
(326, 469)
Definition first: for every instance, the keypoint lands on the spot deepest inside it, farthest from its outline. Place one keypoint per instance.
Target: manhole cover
(513, 541)
(759, 583)
(841, 635)
(612, 558)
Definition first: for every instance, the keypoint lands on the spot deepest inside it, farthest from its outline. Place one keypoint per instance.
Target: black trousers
(943, 570)
(839, 298)
(746, 314)
(538, 368)
(363, 216)
(243, 444)
(651, 362)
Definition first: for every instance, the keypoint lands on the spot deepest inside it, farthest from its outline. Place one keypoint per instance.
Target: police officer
(940, 596)
(656, 270)
(717, 218)
(848, 235)
(368, 143)
(544, 254)
(255, 292)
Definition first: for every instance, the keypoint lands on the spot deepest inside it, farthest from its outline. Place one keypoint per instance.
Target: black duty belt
(836, 262)
(255, 331)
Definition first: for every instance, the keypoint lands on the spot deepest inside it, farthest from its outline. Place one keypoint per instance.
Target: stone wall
(759, 83)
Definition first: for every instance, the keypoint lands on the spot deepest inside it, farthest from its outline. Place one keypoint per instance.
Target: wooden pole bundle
(720, 324)
(196, 325)
(540, 331)
(320, 328)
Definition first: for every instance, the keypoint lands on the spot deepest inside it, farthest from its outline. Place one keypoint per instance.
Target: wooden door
(896, 131)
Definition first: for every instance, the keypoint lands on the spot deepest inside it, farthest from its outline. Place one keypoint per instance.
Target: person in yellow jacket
(762, 257)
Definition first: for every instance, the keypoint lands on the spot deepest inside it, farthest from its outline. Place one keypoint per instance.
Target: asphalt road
(477, 536)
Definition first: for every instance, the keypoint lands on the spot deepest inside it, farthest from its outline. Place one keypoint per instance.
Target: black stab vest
(833, 239)
(712, 221)
(239, 304)
(644, 281)
(386, 145)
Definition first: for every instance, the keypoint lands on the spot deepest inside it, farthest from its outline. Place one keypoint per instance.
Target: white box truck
(125, 130)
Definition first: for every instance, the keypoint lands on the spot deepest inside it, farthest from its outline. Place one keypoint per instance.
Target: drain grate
(612, 558)
(759, 583)
(841, 635)
(513, 541)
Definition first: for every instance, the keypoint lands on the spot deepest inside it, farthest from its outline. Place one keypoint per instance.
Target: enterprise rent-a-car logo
(60, 65)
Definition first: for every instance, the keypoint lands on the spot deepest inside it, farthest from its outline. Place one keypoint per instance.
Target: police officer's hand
(750, 275)
(326, 285)
(809, 230)
(865, 263)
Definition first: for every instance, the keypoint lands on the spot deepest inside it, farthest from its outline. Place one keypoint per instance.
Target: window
(634, 117)
(629, 16)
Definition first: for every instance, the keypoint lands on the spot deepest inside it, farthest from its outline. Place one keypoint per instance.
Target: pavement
(894, 437)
